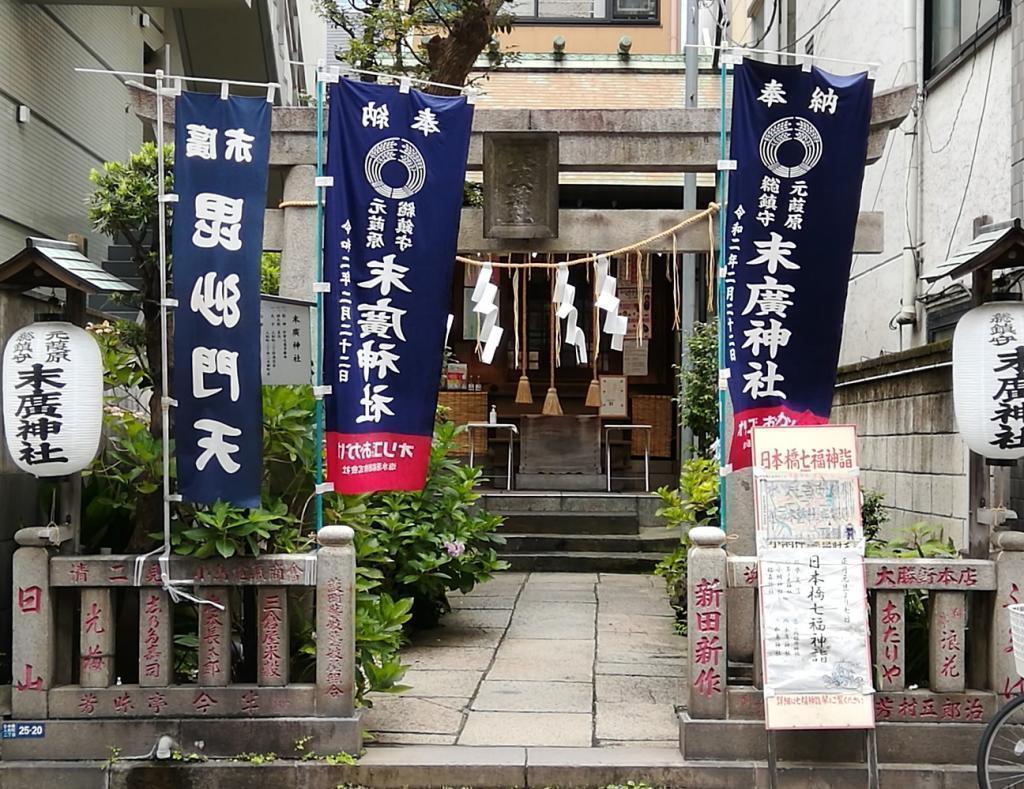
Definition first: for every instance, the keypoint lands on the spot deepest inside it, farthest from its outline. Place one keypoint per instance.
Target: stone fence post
(706, 620)
(1008, 554)
(33, 655)
(335, 622)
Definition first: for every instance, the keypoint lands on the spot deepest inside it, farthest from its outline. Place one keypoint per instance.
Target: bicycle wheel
(1001, 750)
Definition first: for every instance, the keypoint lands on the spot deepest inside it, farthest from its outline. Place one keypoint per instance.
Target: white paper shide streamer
(565, 296)
(614, 325)
(485, 305)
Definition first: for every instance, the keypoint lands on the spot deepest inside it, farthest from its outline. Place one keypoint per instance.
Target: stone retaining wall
(902, 405)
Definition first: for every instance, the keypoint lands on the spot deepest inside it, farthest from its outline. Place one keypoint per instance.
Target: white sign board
(285, 342)
(813, 597)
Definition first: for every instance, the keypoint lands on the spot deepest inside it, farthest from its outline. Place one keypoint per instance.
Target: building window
(634, 9)
(584, 11)
(953, 26)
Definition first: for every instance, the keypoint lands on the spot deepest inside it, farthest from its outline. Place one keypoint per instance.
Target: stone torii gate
(617, 140)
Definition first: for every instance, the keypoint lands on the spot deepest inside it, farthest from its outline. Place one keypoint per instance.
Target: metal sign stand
(870, 747)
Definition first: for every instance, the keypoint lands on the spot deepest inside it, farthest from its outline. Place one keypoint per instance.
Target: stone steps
(528, 542)
(580, 532)
(582, 561)
(606, 523)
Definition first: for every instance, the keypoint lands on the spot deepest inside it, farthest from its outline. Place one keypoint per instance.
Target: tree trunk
(452, 57)
(149, 508)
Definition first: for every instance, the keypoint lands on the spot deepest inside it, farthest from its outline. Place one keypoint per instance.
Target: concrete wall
(902, 406)
(873, 32)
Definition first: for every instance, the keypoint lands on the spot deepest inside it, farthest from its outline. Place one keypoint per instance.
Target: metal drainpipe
(908, 301)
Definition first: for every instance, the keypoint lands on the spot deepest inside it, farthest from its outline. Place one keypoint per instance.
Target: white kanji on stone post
(218, 221)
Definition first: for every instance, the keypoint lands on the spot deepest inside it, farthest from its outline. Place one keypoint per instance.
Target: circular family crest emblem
(396, 149)
(791, 129)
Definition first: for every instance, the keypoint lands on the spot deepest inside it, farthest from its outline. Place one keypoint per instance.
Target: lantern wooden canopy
(997, 247)
(45, 263)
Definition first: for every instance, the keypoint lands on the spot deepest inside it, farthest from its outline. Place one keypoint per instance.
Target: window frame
(934, 73)
(607, 20)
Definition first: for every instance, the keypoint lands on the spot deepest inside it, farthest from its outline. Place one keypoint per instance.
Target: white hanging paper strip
(485, 305)
(565, 295)
(614, 324)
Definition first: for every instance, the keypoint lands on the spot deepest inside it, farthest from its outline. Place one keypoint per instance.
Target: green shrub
(411, 548)
(919, 541)
(433, 541)
(697, 384)
(693, 503)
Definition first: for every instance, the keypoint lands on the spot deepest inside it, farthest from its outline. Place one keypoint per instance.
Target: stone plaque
(521, 184)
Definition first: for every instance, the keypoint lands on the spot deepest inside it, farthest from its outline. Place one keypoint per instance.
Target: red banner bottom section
(776, 416)
(371, 462)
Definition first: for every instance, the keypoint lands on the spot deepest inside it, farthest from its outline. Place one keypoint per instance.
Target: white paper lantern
(988, 379)
(52, 398)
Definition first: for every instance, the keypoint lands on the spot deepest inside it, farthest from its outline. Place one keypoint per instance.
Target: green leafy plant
(124, 207)
(694, 503)
(435, 540)
(256, 758)
(697, 384)
(919, 541)
(873, 515)
(270, 273)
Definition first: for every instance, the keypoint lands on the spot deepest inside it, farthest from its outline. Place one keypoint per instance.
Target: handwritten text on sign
(810, 547)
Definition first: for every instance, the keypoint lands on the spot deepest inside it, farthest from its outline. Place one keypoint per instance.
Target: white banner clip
(321, 287)
(404, 85)
(324, 181)
(174, 497)
(320, 392)
(726, 164)
(324, 487)
(168, 198)
(168, 302)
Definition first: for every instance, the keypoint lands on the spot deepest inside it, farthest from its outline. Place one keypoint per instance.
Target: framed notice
(634, 359)
(614, 404)
(813, 598)
(286, 355)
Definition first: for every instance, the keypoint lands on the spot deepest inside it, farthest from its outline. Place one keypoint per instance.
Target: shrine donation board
(813, 595)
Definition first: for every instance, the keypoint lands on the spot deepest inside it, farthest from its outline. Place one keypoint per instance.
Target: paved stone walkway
(543, 659)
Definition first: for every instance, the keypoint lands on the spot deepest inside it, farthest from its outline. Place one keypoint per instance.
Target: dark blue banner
(398, 161)
(221, 158)
(799, 139)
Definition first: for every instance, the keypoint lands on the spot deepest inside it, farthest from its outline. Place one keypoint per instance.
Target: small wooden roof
(45, 263)
(998, 248)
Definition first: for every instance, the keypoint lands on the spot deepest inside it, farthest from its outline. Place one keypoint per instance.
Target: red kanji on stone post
(706, 565)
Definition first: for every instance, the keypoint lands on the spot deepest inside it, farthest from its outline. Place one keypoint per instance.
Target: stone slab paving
(564, 660)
